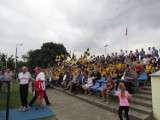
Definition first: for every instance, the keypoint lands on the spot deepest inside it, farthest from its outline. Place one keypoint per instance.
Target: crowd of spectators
(81, 76)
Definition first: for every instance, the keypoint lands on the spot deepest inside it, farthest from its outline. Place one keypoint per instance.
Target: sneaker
(30, 106)
(108, 102)
(20, 109)
(90, 94)
(38, 108)
(64, 89)
(103, 100)
(24, 109)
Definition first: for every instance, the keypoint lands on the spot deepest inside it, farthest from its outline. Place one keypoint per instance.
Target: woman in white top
(24, 78)
(88, 84)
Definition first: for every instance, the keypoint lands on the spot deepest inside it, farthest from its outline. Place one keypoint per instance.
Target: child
(40, 93)
(109, 86)
(123, 100)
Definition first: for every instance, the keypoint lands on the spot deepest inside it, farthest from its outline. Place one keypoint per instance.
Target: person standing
(0, 80)
(149, 52)
(40, 94)
(142, 54)
(155, 52)
(9, 76)
(24, 78)
(40, 76)
(124, 96)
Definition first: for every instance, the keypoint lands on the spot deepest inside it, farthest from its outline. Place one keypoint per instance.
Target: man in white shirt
(24, 78)
(144, 60)
(40, 76)
(121, 53)
(149, 52)
(126, 54)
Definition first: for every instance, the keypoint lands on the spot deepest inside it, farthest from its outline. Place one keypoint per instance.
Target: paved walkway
(70, 108)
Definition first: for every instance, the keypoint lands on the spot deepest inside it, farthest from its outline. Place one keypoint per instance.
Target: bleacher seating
(95, 86)
(102, 86)
(143, 77)
(103, 79)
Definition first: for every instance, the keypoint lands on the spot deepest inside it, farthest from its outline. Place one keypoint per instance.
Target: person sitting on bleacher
(148, 71)
(65, 77)
(76, 82)
(84, 79)
(131, 80)
(122, 70)
(115, 73)
(139, 67)
(60, 79)
(88, 84)
(96, 75)
(109, 86)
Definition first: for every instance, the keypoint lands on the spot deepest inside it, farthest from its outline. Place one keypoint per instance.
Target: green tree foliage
(5, 60)
(45, 56)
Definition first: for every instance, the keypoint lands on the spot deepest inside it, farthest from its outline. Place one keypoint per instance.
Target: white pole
(126, 38)
(126, 44)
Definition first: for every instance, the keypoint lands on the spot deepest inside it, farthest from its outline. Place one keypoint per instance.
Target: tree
(50, 50)
(45, 56)
(24, 57)
(6, 62)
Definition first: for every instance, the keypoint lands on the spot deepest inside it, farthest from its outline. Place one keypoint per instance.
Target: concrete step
(147, 92)
(134, 115)
(141, 108)
(143, 96)
(137, 112)
(148, 84)
(146, 88)
(143, 102)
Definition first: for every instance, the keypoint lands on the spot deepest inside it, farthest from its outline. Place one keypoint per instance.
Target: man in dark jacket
(97, 76)
(83, 81)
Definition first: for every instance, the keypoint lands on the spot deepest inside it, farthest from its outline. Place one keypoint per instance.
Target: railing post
(8, 99)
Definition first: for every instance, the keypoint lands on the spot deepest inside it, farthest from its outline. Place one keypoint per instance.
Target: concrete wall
(155, 82)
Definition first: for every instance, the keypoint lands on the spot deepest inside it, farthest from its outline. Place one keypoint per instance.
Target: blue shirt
(78, 78)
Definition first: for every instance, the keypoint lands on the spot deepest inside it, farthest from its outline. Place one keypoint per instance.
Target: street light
(105, 49)
(16, 57)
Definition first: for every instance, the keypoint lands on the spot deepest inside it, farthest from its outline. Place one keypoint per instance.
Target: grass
(15, 99)
(14, 96)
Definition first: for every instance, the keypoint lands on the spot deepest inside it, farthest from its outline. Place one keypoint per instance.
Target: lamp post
(6, 60)
(16, 57)
(105, 49)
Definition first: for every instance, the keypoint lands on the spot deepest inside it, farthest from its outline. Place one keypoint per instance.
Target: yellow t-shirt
(149, 68)
(119, 66)
(103, 73)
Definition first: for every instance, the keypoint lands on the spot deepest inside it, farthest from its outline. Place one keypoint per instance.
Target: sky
(79, 24)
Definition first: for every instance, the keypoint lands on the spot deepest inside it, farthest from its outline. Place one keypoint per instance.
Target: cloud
(79, 24)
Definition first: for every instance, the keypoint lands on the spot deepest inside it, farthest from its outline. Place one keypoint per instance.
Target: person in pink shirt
(9, 76)
(124, 96)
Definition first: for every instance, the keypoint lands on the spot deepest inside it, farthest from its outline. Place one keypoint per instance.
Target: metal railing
(4, 99)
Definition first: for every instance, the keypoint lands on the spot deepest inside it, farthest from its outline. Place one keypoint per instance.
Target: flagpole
(126, 44)
(126, 38)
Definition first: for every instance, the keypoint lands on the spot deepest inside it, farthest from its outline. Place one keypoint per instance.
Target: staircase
(140, 109)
